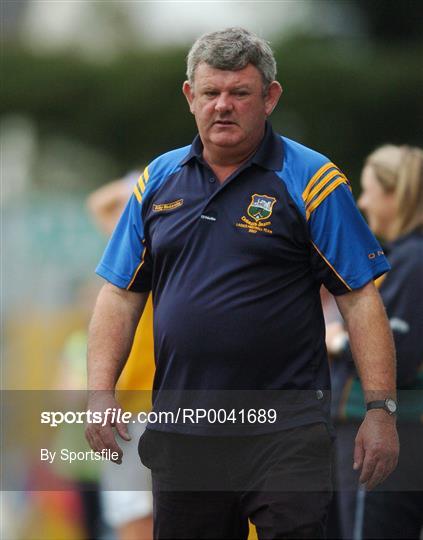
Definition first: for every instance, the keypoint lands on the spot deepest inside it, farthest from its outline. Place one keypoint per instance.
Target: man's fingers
(390, 467)
(89, 439)
(358, 455)
(385, 475)
(102, 438)
(376, 450)
(122, 429)
(376, 469)
(394, 461)
(100, 434)
(94, 440)
(109, 442)
(378, 475)
(369, 464)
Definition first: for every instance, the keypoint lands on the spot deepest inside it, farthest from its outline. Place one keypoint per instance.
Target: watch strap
(379, 404)
(389, 405)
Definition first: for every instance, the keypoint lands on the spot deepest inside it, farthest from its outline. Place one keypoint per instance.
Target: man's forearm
(371, 342)
(111, 334)
(376, 446)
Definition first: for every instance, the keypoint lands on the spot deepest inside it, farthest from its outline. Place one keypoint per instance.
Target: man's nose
(223, 103)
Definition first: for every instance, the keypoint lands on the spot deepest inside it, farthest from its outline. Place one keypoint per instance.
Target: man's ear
(271, 99)
(189, 94)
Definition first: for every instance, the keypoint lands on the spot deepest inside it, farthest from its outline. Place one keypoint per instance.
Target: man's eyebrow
(209, 87)
(245, 86)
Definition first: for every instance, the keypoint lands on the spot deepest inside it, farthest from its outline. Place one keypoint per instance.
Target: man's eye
(210, 93)
(241, 93)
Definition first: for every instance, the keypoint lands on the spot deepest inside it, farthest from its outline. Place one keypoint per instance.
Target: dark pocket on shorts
(181, 462)
(319, 437)
(143, 449)
(157, 451)
(301, 460)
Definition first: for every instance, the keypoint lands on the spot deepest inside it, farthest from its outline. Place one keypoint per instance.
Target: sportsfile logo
(112, 416)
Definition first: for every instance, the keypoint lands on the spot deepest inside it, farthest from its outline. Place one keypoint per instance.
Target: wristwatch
(388, 404)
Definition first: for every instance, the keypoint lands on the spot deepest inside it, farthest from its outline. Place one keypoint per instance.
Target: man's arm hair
(376, 446)
(371, 341)
(111, 334)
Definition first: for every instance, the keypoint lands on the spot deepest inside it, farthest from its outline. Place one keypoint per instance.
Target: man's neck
(226, 161)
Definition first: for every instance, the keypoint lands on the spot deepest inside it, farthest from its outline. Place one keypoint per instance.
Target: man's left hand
(376, 448)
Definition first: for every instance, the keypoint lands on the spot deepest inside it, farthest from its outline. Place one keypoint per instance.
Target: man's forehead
(206, 75)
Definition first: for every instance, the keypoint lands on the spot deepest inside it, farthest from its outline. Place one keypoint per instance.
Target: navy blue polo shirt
(235, 271)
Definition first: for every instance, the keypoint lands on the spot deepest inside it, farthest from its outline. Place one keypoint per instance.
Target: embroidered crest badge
(260, 207)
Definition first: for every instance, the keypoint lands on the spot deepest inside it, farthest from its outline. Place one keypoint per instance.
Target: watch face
(391, 405)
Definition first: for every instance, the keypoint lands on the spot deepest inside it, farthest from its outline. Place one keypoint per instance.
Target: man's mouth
(225, 123)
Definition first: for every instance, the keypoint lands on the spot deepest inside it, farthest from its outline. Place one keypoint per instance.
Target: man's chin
(225, 140)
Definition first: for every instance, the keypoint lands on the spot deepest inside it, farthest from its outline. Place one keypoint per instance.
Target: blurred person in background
(107, 203)
(392, 200)
(126, 497)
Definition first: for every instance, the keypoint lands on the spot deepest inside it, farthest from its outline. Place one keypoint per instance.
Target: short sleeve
(345, 254)
(126, 261)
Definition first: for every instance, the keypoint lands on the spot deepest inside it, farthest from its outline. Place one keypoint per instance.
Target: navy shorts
(209, 487)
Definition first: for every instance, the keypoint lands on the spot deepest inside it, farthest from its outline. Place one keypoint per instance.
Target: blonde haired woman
(392, 200)
(392, 196)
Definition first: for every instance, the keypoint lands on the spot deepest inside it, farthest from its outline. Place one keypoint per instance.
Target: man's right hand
(101, 437)
(376, 448)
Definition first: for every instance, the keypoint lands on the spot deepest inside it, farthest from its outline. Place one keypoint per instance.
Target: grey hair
(232, 49)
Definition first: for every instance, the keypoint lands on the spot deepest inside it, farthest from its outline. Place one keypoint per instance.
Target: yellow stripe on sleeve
(315, 178)
(378, 281)
(146, 174)
(137, 194)
(141, 184)
(323, 196)
(322, 184)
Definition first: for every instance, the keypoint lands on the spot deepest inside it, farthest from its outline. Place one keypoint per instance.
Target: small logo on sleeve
(168, 206)
(260, 210)
(375, 254)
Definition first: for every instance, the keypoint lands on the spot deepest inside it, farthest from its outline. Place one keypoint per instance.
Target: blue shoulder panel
(299, 167)
(159, 170)
(125, 256)
(347, 255)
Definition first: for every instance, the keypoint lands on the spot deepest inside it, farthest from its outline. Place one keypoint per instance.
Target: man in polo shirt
(234, 236)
